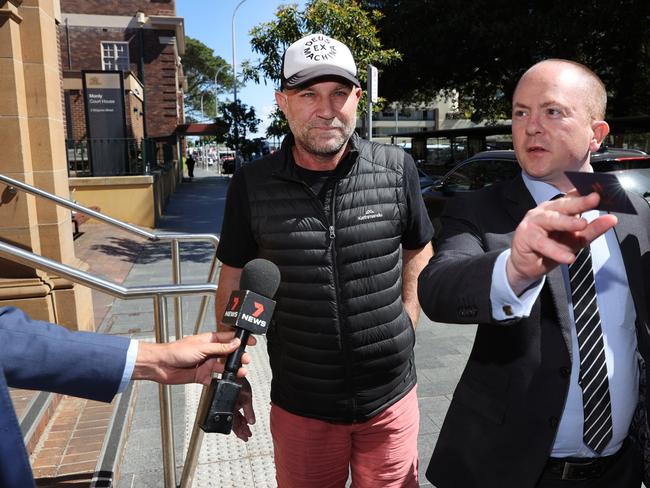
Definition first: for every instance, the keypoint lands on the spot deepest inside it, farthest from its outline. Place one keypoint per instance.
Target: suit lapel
(518, 199)
(518, 202)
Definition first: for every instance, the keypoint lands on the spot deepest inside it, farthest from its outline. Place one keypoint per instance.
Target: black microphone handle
(233, 361)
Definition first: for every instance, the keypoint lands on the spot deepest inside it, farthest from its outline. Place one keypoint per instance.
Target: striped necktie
(593, 368)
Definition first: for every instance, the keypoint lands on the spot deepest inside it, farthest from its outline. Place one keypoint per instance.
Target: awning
(213, 129)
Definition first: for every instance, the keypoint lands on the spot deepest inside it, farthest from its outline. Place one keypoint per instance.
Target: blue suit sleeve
(42, 356)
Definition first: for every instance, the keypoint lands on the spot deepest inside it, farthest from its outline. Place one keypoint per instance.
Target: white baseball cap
(315, 56)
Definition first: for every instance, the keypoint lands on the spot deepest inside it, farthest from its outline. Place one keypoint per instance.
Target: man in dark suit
(559, 290)
(41, 356)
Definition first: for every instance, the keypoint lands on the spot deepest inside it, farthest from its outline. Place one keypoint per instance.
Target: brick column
(32, 134)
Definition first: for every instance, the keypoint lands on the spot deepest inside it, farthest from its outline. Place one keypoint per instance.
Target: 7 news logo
(234, 312)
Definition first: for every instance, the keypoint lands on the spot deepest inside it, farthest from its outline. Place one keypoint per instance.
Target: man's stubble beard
(329, 148)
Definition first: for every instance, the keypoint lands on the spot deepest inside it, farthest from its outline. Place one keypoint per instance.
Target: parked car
(426, 180)
(228, 163)
(488, 167)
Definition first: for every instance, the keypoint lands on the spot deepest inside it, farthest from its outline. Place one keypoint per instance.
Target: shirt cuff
(129, 364)
(505, 304)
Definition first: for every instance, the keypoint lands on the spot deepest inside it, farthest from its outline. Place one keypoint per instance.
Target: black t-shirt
(237, 245)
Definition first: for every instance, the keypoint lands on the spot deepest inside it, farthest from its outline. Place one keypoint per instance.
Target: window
(476, 174)
(115, 56)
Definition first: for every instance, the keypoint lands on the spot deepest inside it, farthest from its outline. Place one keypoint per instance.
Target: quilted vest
(341, 342)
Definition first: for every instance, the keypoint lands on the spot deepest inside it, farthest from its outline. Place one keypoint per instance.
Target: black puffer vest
(341, 343)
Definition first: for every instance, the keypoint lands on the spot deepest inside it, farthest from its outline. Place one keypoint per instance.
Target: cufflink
(507, 309)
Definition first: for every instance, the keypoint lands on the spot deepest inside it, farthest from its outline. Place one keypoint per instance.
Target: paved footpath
(197, 207)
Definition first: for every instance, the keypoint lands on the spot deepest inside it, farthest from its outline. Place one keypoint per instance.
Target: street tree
(344, 20)
(253, 148)
(246, 123)
(200, 66)
(278, 127)
(479, 48)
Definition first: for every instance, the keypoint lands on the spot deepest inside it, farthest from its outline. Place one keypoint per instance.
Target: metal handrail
(75, 206)
(75, 275)
(159, 294)
(174, 239)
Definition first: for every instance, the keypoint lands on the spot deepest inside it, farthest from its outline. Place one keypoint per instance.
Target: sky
(210, 22)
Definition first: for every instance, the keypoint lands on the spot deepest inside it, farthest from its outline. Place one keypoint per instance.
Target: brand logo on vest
(370, 214)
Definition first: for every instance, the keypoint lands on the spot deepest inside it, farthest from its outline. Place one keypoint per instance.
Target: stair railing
(159, 294)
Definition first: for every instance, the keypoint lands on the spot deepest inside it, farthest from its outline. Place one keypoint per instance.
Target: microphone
(249, 311)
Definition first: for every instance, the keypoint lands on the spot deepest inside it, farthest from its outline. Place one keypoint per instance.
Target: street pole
(373, 81)
(216, 90)
(396, 118)
(216, 111)
(141, 19)
(234, 74)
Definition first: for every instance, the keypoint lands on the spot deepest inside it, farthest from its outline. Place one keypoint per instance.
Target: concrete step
(82, 441)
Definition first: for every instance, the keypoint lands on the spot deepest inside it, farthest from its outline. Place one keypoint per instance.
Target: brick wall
(78, 115)
(134, 117)
(160, 80)
(119, 7)
(161, 77)
(84, 45)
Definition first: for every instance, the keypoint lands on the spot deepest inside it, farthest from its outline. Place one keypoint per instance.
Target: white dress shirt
(129, 364)
(618, 318)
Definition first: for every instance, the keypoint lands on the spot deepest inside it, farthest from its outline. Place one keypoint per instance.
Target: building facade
(398, 118)
(32, 138)
(144, 41)
(45, 48)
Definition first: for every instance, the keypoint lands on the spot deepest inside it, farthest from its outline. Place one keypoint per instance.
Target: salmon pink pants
(379, 453)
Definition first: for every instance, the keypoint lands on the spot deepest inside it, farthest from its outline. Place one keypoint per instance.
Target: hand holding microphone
(249, 310)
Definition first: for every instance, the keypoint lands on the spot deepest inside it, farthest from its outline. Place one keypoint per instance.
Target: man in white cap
(344, 221)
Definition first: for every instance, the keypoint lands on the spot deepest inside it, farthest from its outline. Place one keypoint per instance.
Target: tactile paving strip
(226, 461)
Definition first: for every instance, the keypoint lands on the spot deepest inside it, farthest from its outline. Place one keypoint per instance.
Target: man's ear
(600, 129)
(281, 100)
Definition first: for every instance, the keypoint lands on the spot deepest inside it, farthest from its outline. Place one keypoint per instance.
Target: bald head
(589, 85)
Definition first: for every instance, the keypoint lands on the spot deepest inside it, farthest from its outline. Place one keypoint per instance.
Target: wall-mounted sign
(105, 122)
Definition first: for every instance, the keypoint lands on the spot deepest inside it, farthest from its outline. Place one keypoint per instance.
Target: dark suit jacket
(41, 356)
(502, 421)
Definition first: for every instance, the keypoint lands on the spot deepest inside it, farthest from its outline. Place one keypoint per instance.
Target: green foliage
(251, 147)
(200, 66)
(246, 122)
(481, 47)
(344, 20)
(279, 126)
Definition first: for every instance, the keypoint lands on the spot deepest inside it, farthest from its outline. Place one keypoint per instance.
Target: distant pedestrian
(190, 162)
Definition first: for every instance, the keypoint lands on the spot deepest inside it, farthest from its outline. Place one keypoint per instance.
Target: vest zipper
(345, 342)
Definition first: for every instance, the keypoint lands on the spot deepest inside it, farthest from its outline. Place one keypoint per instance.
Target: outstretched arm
(550, 235)
(189, 360)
